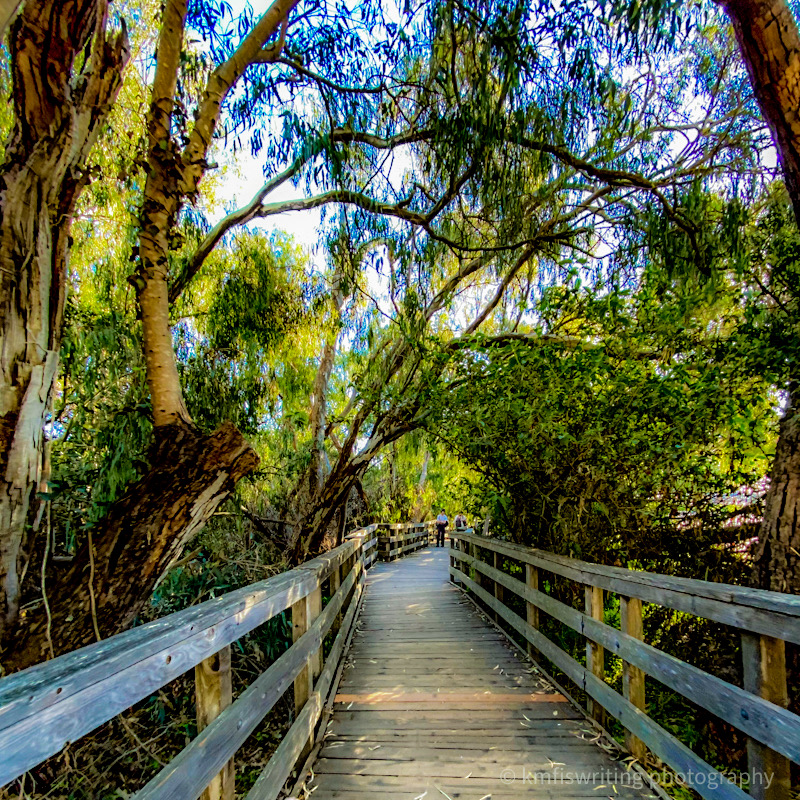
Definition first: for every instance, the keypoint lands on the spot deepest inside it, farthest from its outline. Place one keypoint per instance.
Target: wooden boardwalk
(434, 702)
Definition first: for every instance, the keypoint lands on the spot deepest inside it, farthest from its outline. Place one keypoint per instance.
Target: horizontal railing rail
(50, 705)
(399, 539)
(766, 620)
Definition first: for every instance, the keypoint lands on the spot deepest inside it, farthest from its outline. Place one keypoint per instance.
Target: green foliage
(102, 426)
(256, 304)
(621, 427)
(251, 298)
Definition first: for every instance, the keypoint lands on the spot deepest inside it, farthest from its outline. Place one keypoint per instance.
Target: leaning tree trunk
(770, 45)
(114, 573)
(57, 118)
(313, 526)
(777, 560)
(419, 506)
(313, 477)
(347, 473)
(768, 39)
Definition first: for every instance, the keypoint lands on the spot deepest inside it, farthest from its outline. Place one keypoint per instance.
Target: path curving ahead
(434, 703)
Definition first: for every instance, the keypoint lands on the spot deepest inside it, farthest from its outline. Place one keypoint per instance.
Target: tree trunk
(419, 508)
(312, 527)
(319, 407)
(770, 45)
(777, 560)
(314, 476)
(103, 590)
(347, 473)
(769, 41)
(57, 118)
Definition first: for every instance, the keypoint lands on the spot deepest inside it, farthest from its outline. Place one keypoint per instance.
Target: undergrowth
(121, 756)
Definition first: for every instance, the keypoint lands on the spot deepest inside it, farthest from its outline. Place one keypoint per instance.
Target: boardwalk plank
(435, 702)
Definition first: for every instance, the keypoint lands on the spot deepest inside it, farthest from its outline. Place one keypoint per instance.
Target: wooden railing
(396, 539)
(52, 704)
(766, 620)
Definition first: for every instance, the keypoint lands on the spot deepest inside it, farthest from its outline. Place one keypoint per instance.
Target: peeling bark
(777, 560)
(769, 41)
(143, 533)
(58, 115)
(160, 207)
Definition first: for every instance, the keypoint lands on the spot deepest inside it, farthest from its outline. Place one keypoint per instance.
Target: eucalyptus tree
(769, 45)
(464, 136)
(508, 182)
(194, 87)
(622, 427)
(66, 64)
(510, 161)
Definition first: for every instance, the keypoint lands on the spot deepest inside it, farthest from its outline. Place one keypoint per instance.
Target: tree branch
(322, 80)
(501, 289)
(346, 197)
(238, 217)
(220, 82)
(272, 53)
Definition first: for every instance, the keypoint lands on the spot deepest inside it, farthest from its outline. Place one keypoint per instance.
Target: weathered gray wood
(335, 583)
(757, 610)
(398, 539)
(304, 682)
(185, 777)
(764, 672)
(46, 706)
(421, 722)
(770, 724)
(315, 608)
(595, 653)
(295, 743)
(663, 744)
(531, 609)
(272, 779)
(633, 681)
(214, 693)
(498, 586)
(304, 612)
(363, 787)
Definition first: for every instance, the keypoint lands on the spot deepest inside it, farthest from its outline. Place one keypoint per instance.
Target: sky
(244, 177)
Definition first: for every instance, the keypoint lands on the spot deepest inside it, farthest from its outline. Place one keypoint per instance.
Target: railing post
(764, 672)
(214, 693)
(335, 583)
(633, 685)
(531, 610)
(595, 654)
(473, 551)
(304, 612)
(314, 610)
(498, 588)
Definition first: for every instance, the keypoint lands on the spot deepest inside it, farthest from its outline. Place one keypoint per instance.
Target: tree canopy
(551, 279)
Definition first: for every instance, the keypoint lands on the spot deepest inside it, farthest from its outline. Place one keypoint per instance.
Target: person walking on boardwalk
(441, 525)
